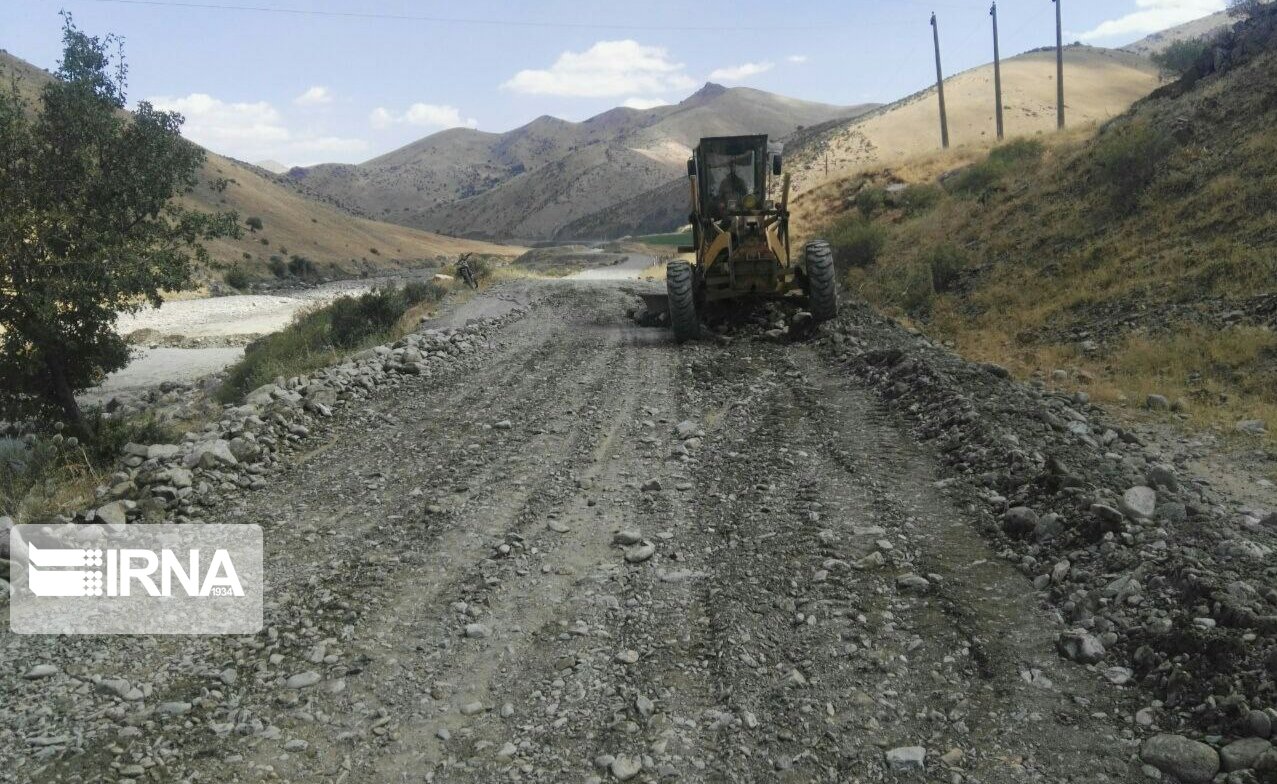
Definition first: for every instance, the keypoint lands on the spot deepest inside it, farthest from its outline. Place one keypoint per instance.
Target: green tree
(88, 225)
(253, 223)
(1180, 56)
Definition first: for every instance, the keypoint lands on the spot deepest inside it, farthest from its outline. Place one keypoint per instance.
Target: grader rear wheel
(822, 289)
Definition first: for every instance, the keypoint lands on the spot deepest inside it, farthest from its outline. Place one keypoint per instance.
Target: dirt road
(592, 555)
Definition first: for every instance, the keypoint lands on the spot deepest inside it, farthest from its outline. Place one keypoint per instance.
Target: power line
(470, 21)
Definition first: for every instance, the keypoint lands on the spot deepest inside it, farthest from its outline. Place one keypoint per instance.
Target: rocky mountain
(293, 225)
(1198, 28)
(537, 180)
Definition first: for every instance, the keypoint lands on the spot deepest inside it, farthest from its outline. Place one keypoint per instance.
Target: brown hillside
(1101, 84)
(292, 224)
(1142, 255)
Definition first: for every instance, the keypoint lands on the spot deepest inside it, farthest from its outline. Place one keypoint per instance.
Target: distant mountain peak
(706, 93)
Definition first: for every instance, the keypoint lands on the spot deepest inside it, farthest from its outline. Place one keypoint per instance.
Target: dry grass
(1138, 237)
(1102, 84)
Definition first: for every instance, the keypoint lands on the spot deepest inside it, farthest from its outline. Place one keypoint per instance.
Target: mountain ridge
(535, 180)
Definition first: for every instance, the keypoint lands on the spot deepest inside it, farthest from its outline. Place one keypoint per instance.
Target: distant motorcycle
(467, 274)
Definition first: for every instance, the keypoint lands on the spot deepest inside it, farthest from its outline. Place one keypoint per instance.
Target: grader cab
(740, 235)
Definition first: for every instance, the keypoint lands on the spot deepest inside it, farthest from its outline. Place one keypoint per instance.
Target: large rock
(162, 451)
(114, 513)
(1080, 646)
(1019, 521)
(211, 454)
(1242, 754)
(262, 395)
(243, 449)
(1190, 761)
(907, 759)
(1139, 503)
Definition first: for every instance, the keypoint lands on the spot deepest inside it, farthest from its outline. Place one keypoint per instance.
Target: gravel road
(588, 554)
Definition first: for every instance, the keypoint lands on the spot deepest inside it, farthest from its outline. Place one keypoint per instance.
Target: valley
(963, 471)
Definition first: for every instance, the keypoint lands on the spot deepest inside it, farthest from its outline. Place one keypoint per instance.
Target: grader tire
(822, 289)
(680, 285)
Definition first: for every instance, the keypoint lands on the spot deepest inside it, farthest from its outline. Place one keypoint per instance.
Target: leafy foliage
(320, 336)
(253, 223)
(980, 178)
(919, 198)
(946, 262)
(302, 267)
(1180, 56)
(1126, 159)
(237, 278)
(856, 242)
(88, 225)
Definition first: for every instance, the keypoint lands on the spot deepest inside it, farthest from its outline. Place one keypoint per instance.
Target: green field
(681, 238)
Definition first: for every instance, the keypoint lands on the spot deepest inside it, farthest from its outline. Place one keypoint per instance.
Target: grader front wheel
(680, 285)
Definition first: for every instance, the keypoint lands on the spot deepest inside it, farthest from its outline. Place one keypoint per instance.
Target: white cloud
(254, 131)
(736, 73)
(609, 68)
(422, 115)
(431, 115)
(798, 59)
(315, 96)
(643, 104)
(381, 118)
(219, 125)
(1153, 16)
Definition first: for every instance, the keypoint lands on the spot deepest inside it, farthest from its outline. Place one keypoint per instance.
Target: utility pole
(997, 70)
(1059, 66)
(944, 117)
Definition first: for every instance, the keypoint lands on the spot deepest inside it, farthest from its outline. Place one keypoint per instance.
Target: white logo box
(136, 579)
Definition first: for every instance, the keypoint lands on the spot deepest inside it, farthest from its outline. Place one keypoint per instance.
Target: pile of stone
(1151, 572)
(172, 483)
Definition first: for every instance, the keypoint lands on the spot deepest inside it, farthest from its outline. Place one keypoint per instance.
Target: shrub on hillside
(481, 267)
(1127, 159)
(919, 290)
(870, 200)
(856, 242)
(946, 263)
(917, 199)
(302, 267)
(1011, 158)
(1180, 56)
(278, 267)
(237, 278)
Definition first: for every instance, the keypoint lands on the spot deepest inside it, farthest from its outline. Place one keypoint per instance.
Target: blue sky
(303, 88)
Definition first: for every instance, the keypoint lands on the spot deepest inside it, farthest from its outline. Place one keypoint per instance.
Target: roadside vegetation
(1140, 257)
(90, 227)
(323, 335)
(45, 471)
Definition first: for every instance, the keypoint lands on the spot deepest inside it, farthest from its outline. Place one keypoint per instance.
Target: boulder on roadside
(1080, 646)
(1019, 521)
(1242, 754)
(114, 513)
(1190, 761)
(211, 454)
(1139, 503)
(907, 759)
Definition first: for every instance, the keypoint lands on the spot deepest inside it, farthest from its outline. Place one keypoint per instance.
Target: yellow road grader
(740, 236)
